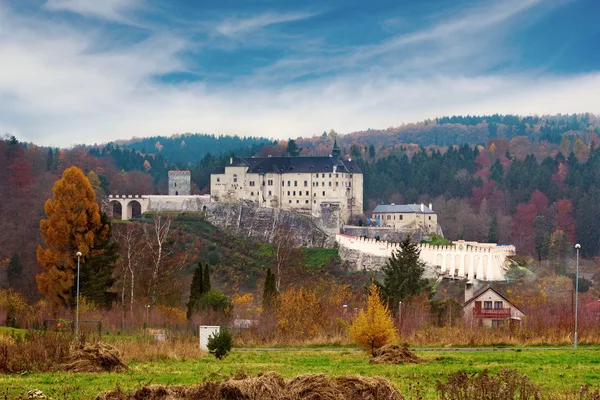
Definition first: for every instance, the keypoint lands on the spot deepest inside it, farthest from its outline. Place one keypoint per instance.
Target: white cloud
(107, 9)
(57, 88)
(235, 27)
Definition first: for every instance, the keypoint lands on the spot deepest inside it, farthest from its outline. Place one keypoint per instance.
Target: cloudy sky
(90, 71)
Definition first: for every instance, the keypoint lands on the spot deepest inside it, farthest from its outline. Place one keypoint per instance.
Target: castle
(302, 184)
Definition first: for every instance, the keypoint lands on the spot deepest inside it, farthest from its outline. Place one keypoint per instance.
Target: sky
(92, 71)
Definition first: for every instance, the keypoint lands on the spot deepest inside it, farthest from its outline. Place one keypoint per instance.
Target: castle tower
(335, 152)
(179, 183)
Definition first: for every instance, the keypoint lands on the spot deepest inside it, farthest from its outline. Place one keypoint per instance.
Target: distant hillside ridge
(190, 148)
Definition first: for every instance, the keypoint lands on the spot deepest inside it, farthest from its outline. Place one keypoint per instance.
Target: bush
(220, 343)
(214, 301)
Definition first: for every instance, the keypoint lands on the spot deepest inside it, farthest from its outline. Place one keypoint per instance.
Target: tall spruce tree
(196, 290)
(403, 274)
(206, 280)
(492, 236)
(269, 290)
(13, 271)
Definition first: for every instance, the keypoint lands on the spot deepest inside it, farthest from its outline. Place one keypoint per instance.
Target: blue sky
(90, 71)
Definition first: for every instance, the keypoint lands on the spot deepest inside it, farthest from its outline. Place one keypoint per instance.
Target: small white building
(488, 307)
(406, 216)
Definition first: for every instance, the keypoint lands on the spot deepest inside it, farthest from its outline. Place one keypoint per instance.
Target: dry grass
(37, 352)
(394, 354)
(271, 386)
(143, 349)
(97, 357)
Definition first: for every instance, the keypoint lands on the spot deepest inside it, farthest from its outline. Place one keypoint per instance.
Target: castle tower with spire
(335, 152)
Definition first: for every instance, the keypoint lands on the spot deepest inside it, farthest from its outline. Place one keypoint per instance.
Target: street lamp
(577, 247)
(77, 313)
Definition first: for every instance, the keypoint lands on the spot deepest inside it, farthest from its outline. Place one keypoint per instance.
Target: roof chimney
(230, 160)
(430, 207)
(422, 207)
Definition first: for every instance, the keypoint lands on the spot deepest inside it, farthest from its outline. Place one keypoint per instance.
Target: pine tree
(196, 290)
(13, 271)
(403, 274)
(73, 224)
(96, 274)
(492, 236)
(269, 290)
(206, 280)
(373, 327)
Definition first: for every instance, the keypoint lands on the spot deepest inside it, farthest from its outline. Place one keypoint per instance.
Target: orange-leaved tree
(373, 327)
(73, 224)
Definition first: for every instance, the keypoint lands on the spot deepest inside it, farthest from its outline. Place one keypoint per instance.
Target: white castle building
(472, 260)
(301, 184)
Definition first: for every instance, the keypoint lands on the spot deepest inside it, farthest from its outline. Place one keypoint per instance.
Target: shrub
(215, 301)
(373, 328)
(506, 385)
(220, 343)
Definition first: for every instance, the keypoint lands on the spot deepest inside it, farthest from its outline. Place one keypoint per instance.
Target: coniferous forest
(533, 182)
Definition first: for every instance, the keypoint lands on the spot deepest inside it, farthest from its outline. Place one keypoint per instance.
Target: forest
(533, 181)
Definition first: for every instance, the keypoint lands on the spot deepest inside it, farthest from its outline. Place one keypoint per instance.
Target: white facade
(483, 261)
(406, 217)
(289, 189)
(489, 308)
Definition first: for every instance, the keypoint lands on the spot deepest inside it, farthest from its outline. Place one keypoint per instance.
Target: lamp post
(77, 312)
(577, 247)
(400, 315)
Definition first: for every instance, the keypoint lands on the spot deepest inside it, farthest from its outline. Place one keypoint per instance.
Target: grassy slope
(555, 371)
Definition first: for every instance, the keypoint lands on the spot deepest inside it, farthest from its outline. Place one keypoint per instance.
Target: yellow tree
(373, 327)
(73, 224)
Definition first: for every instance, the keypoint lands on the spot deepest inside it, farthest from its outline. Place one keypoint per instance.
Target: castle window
(297, 201)
(322, 175)
(307, 192)
(269, 192)
(305, 183)
(314, 195)
(251, 193)
(218, 179)
(349, 183)
(315, 202)
(388, 217)
(270, 182)
(330, 184)
(289, 183)
(288, 192)
(430, 217)
(401, 217)
(251, 183)
(316, 175)
(323, 193)
(294, 192)
(394, 217)
(290, 202)
(175, 184)
(306, 201)
(350, 176)
(322, 183)
(337, 184)
(295, 183)
(234, 180)
(330, 175)
(282, 183)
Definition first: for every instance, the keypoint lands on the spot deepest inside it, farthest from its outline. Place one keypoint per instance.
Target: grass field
(556, 371)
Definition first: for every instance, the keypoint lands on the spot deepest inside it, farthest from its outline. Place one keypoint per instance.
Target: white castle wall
(483, 261)
(160, 203)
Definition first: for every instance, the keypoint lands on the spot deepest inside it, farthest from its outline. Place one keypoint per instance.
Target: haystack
(271, 386)
(97, 357)
(394, 354)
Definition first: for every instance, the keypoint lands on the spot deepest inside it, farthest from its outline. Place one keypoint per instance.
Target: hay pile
(394, 354)
(271, 386)
(97, 357)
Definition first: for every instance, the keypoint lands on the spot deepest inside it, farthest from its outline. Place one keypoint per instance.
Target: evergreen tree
(13, 271)
(196, 290)
(96, 275)
(493, 231)
(292, 148)
(269, 290)
(206, 280)
(372, 151)
(403, 274)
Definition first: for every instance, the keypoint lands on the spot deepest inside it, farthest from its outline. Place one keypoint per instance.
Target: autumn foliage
(373, 327)
(72, 225)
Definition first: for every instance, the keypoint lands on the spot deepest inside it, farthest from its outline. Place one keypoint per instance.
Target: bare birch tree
(284, 247)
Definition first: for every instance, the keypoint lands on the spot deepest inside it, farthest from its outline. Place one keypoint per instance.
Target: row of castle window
(393, 217)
